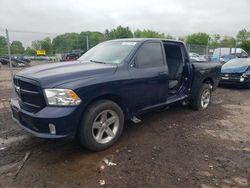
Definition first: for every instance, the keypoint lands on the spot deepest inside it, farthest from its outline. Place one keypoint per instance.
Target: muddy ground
(177, 147)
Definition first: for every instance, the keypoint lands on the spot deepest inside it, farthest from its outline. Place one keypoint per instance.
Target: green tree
(3, 46)
(46, 45)
(16, 47)
(168, 36)
(93, 39)
(198, 39)
(148, 34)
(36, 45)
(228, 42)
(30, 51)
(65, 43)
(182, 38)
(215, 40)
(245, 45)
(106, 34)
(119, 32)
(243, 35)
(71, 41)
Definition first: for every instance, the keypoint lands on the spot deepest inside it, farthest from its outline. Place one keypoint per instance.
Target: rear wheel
(202, 100)
(101, 125)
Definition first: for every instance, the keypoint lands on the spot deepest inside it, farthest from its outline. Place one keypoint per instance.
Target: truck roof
(146, 39)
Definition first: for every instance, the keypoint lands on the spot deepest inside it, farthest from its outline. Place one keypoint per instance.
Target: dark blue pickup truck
(115, 81)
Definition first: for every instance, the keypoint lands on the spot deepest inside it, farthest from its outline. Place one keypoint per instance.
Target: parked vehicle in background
(208, 57)
(73, 55)
(4, 60)
(113, 82)
(223, 55)
(38, 58)
(22, 58)
(77, 52)
(236, 72)
(69, 57)
(16, 61)
(41, 58)
(194, 57)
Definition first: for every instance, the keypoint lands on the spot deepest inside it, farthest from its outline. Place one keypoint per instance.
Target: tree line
(70, 41)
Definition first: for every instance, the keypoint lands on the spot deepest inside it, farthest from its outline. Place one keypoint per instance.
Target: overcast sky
(176, 17)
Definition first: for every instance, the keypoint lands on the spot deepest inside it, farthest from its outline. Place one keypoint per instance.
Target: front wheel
(101, 125)
(202, 100)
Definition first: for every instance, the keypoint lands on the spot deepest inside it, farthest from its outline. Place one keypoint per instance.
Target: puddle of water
(82, 164)
(2, 148)
(5, 142)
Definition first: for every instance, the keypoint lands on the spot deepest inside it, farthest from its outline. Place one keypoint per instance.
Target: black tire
(196, 101)
(84, 133)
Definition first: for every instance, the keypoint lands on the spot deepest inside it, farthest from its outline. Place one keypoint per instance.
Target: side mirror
(133, 64)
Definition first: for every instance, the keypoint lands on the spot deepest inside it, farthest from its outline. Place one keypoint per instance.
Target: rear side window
(150, 55)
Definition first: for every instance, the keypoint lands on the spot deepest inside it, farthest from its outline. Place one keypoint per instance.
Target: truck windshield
(108, 52)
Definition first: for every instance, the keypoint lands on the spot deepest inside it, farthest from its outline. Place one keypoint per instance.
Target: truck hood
(240, 69)
(54, 74)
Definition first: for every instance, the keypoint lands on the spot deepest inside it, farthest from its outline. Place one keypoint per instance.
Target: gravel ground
(177, 147)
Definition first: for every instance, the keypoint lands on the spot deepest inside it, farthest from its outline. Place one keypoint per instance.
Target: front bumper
(64, 119)
(234, 81)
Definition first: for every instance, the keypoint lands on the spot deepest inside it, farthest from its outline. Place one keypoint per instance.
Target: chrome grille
(30, 95)
(233, 75)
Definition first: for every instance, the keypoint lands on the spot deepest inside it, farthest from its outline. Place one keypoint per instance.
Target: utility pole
(9, 54)
(235, 49)
(87, 42)
(207, 48)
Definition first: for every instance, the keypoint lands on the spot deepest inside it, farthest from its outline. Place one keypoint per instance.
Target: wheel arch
(209, 81)
(114, 98)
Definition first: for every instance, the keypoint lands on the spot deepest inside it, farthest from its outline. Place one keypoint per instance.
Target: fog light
(52, 128)
(242, 79)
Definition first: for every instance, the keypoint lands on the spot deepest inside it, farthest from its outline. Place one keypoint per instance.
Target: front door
(150, 76)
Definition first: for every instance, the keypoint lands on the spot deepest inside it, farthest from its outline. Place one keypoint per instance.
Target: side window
(150, 55)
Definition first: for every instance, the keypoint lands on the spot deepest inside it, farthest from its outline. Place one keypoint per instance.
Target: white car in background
(194, 57)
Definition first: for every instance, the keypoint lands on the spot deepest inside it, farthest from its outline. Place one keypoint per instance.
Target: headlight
(246, 74)
(62, 97)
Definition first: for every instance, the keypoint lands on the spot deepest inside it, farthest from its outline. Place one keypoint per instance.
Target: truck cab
(115, 81)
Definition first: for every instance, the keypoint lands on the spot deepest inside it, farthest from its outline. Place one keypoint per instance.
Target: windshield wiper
(97, 61)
